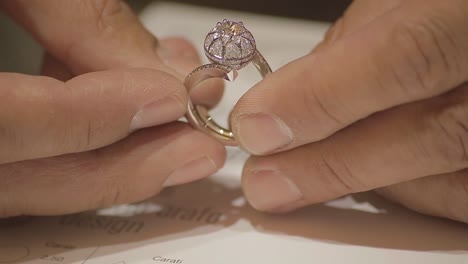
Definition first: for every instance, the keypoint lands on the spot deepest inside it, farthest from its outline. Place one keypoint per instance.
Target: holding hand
(382, 101)
(65, 143)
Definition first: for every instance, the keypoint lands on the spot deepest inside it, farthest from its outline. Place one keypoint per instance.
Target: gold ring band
(230, 47)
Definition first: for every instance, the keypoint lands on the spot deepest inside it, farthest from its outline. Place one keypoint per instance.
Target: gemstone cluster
(230, 44)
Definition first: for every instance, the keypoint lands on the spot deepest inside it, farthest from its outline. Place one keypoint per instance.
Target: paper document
(209, 222)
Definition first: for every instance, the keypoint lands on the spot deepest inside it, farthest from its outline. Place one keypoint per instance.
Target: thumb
(401, 56)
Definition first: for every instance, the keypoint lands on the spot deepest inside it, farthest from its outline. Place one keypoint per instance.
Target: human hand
(66, 143)
(380, 104)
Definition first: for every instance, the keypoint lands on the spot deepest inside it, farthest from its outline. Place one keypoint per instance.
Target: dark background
(324, 10)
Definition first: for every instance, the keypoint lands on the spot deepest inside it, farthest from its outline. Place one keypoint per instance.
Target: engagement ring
(229, 47)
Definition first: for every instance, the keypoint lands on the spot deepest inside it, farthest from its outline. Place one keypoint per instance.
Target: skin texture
(77, 137)
(380, 105)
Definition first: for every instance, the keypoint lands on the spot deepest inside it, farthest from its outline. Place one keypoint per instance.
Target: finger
(176, 52)
(359, 14)
(442, 195)
(51, 67)
(408, 142)
(44, 117)
(183, 57)
(87, 35)
(412, 53)
(128, 171)
(99, 35)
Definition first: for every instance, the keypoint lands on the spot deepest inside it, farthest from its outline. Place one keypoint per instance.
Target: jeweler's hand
(65, 142)
(381, 101)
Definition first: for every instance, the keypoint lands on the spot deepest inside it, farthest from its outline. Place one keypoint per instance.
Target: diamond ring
(229, 46)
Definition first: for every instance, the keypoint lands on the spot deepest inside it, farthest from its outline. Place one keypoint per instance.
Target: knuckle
(114, 190)
(454, 202)
(67, 133)
(9, 141)
(448, 140)
(29, 132)
(102, 22)
(321, 107)
(6, 207)
(111, 195)
(463, 200)
(103, 12)
(90, 178)
(84, 134)
(335, 173)
(461, 213)
(84, 122)
(108, 188)
(427, 57)
(12, 178)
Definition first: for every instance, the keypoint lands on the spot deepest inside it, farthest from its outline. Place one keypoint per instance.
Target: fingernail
(269, 190)
(157, 113)
(263, 133)
(192, 171)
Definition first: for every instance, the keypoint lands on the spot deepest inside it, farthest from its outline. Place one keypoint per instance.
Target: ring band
(229, 47)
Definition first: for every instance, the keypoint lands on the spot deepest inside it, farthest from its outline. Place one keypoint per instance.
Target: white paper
(209, 222)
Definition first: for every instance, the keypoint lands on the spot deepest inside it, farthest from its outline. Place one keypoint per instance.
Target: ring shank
(197, 115)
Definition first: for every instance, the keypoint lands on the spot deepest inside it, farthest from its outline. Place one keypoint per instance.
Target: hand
(66, 142)
(380, 104)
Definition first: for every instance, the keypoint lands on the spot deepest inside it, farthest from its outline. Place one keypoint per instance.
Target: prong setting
(230, 43)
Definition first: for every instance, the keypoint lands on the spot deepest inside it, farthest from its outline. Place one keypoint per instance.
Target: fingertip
(192, 171)
(176, 47)
(208, 93)
(157, 113)
(179, 55)
(209, 156)
(268, 189)
(262, 133)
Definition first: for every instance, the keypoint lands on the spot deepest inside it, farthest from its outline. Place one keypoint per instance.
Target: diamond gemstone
(246, 47)
(230, 43)
(237, 39)
(232, 51)
(210, 38)
(216, 48)
(226, 38)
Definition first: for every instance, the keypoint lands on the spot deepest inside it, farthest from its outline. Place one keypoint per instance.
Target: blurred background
(20, 53)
